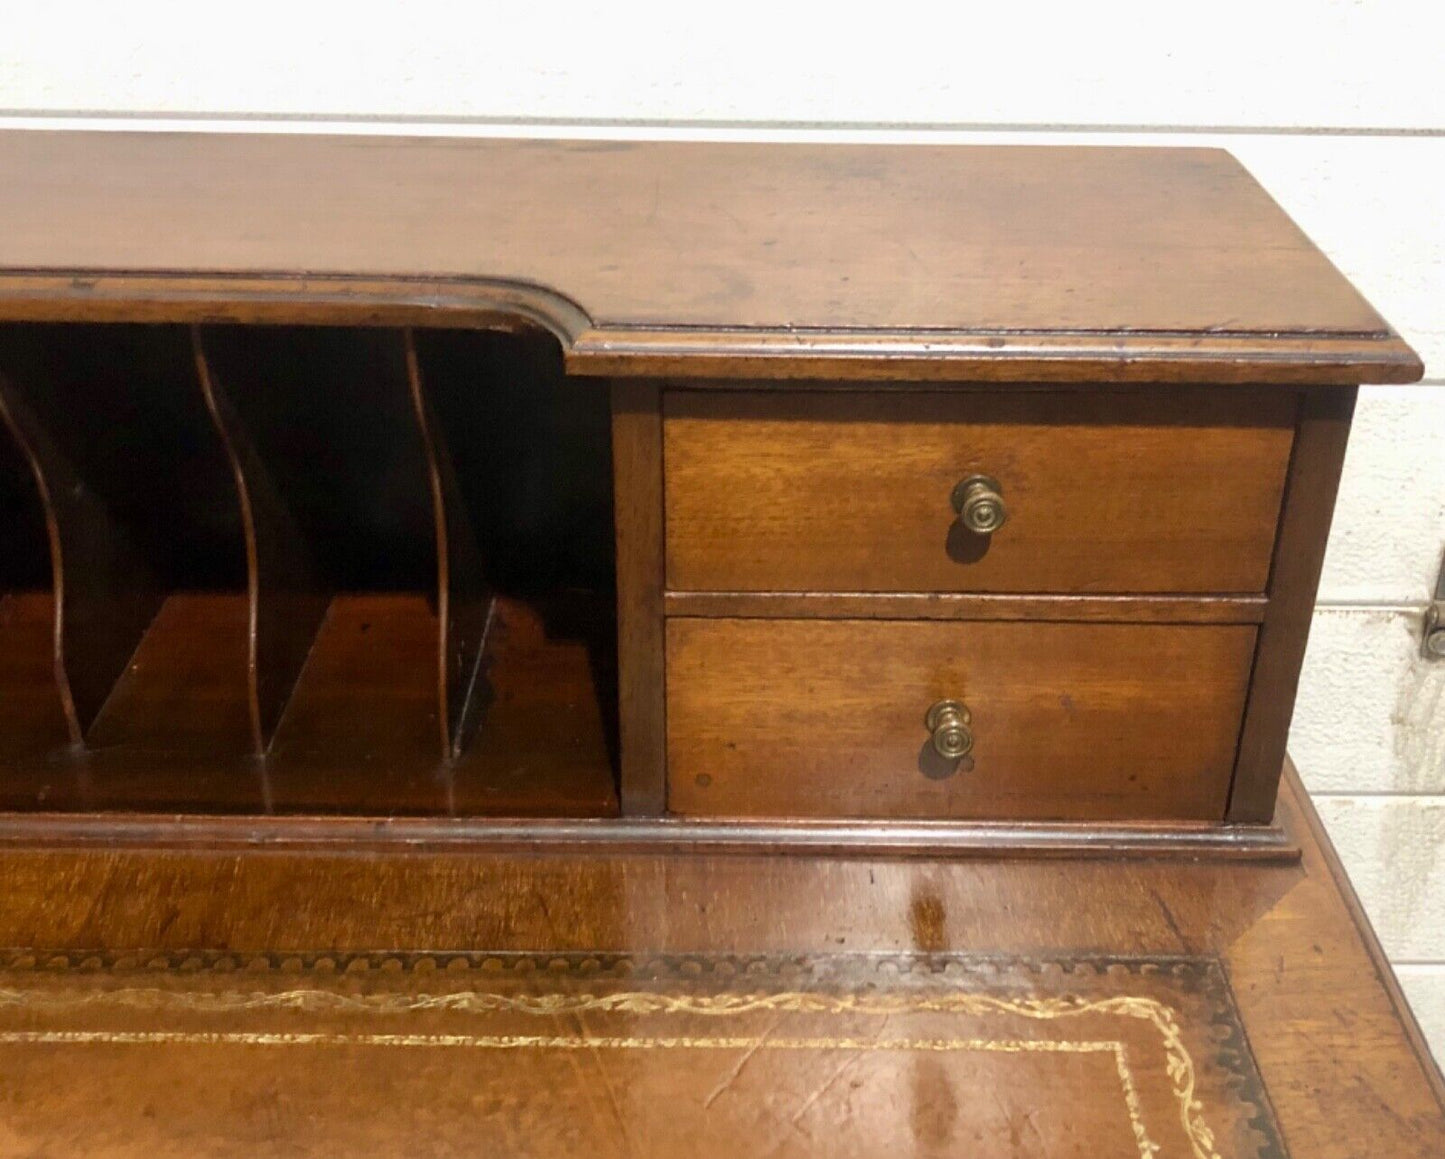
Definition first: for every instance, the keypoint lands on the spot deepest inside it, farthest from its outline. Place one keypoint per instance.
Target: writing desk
(406, 507)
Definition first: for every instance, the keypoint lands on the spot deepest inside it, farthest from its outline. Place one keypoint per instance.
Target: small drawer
(827, 719)
(1104, 492)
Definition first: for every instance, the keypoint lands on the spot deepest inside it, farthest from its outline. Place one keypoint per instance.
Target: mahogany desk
(382, 515)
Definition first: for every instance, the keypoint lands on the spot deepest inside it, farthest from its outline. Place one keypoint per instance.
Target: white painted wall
(1338, 106)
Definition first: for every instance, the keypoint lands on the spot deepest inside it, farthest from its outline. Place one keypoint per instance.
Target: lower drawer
(826, 718)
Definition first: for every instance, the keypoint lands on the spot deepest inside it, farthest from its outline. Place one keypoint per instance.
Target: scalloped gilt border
(1195, 973)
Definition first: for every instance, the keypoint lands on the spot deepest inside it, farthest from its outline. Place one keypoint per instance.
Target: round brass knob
(948, 721)
(979, 503)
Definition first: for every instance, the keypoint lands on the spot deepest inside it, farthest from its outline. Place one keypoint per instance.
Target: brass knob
(979, 503)
(948, 721)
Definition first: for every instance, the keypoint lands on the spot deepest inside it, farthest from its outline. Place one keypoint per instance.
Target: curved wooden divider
(285, 597)
(342, 513)
(106, 590)
(465, 604)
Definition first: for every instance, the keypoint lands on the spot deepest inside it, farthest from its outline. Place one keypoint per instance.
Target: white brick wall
(1336, 105)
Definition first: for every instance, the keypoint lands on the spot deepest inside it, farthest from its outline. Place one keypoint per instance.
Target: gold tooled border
(1179, 1064)
(1147, 1148)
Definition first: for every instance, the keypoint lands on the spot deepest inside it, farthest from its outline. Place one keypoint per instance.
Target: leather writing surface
(847, 1054)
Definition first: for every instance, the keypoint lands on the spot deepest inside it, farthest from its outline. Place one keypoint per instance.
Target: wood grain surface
(675, 257)
(817, 718)
(1299, 557)
(641, 652)
(1337, 1054)
(359, 736)
(850, 492)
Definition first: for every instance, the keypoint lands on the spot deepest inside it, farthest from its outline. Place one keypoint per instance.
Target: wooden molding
(598, 349)
(651, 834)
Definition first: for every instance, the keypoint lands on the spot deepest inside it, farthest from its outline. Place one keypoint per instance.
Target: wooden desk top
(233, 1002)
(876, 261)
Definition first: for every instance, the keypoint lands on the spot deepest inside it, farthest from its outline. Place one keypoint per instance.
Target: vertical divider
(465, 603)
(286, 595)
(105, 592)
(641, 628)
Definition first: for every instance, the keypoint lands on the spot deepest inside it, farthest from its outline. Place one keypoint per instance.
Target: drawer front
(826, 718)
(846, 491)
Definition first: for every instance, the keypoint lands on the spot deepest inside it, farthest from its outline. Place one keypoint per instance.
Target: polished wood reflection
(1341, 1068)
(690, 258)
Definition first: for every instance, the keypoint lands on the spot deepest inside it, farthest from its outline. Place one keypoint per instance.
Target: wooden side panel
(1314, 479)
(851, 492)
(637, 475)
(792, 718)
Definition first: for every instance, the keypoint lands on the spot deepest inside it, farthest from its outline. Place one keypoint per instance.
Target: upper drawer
(854, 491)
